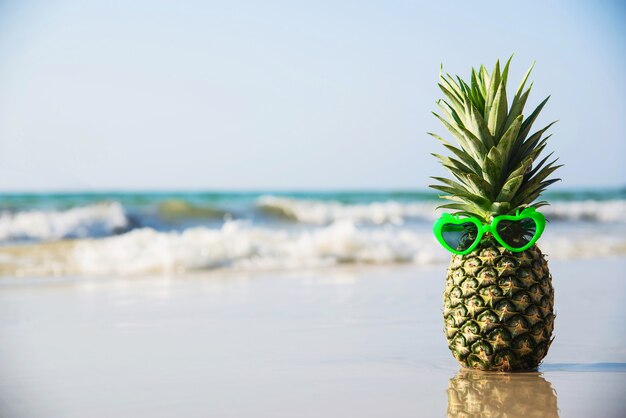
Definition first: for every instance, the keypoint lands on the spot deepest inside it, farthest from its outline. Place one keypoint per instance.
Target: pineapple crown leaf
(493, 160)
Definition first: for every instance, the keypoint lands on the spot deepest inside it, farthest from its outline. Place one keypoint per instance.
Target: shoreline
(364, 341)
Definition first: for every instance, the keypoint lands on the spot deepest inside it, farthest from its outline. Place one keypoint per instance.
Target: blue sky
(287, 95)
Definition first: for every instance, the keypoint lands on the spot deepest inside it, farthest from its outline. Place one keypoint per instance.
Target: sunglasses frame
(492, 228)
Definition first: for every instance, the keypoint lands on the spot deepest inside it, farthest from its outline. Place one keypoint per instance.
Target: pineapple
(498, 304)
(476, 394)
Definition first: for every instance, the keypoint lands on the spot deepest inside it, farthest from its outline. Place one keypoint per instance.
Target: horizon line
(70, 191)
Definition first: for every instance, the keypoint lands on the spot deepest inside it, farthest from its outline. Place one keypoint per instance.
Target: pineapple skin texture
(499, 308)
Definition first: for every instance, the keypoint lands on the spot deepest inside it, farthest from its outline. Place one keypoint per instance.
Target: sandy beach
(344, 341)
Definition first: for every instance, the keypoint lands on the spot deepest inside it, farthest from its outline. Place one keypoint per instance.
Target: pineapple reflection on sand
(473, 393)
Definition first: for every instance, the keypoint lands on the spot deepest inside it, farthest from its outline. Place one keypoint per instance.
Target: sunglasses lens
(459, 236)
(517, 234)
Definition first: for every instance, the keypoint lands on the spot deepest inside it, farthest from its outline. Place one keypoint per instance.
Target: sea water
(146, 232)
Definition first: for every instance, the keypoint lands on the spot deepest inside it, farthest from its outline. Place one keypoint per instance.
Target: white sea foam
(97, 220)
(241, 246)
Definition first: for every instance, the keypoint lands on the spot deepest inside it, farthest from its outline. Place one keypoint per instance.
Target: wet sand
(364, 342)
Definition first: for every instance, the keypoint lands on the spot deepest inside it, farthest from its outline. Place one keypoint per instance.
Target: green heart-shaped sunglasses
(515, 232)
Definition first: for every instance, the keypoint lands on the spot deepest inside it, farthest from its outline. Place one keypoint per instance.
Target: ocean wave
(238, 245)
(96, 220)
(180, 209)
(318, 212)
(111, 218)
(606, 211)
